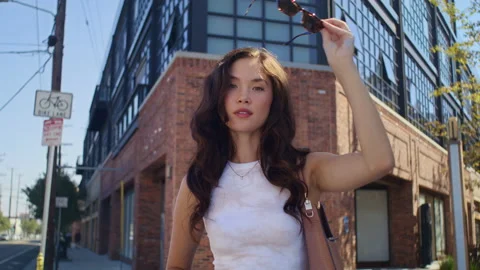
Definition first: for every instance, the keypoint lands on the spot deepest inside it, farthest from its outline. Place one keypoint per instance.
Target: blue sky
(21, 132)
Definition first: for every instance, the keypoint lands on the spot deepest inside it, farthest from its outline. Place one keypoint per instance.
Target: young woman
(247, 182)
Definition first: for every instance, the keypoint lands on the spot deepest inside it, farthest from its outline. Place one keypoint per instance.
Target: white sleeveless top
(246, 224)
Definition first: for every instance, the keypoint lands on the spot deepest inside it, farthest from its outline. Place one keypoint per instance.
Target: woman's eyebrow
(258, 79)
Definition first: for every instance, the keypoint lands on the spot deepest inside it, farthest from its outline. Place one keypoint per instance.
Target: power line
(37, 8)
(18, 44)
(92, 40)
(100, 23)
(92, 25)
(38, 40)
(24, 52)
(40, 70)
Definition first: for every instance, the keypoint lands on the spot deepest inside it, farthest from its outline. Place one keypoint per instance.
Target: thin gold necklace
(242, 176)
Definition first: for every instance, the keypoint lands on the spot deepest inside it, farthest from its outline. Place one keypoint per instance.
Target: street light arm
(30, 6)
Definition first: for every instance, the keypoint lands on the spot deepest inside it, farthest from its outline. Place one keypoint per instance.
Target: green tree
(65, 187)
(29, 226)
(38, 230)
(4, 223)
(465, 52)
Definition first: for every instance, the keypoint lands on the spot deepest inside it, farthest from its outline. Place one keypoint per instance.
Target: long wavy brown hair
(280, 161)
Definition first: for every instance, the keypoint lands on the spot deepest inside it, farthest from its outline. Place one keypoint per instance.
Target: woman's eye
(258, 88)
(232, 86)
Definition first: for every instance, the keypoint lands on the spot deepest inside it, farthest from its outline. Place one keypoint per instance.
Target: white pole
(457, 194)
(458, 205)
(46, 200)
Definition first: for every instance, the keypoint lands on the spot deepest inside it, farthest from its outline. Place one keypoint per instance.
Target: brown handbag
(322, 246)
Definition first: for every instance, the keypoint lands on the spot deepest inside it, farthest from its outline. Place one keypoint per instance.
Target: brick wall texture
(324, 123)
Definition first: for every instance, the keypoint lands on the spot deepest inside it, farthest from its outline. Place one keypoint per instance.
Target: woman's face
(248, 97)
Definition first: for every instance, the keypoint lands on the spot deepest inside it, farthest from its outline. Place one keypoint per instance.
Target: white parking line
(16, 255)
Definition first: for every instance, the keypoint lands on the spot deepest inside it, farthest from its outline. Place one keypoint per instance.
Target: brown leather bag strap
(325, 223)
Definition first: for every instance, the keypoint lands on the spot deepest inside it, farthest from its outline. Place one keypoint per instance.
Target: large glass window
(247, 43)
(437, 217)
(306, 39)
(242, 5)
(281, 51)
(249, 29)
(120, 47)
(141, 72)
(272, 13)
(304, 55)
(417, 22)
(130, 113)
(375, 47)
(223, 6)
(219, 45)
(220, 25)
(105, 146)
(445, 15)
(128, 224)
(467, 101)
(174, 23)
(263, 26)
(421, 102)
(446, 75)
(277, 32)
(447, 111)
(139, 10)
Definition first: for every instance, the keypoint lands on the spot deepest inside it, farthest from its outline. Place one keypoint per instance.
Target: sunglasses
(310, 21)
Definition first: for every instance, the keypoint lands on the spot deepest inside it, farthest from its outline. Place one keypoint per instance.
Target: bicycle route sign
(53, 104)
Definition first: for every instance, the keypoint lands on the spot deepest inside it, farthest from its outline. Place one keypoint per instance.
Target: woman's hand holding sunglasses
(338, 43)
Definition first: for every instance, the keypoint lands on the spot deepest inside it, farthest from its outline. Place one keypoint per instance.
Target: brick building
(139, 122)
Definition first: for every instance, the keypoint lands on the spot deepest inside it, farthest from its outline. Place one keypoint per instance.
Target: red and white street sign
(52, 132)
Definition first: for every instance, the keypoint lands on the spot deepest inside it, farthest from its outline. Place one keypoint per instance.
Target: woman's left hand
(338, 43)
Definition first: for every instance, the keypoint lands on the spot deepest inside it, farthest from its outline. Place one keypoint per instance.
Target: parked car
(3, 237)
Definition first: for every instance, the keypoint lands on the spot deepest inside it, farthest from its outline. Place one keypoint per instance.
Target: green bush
(448, 264)
(474, 266)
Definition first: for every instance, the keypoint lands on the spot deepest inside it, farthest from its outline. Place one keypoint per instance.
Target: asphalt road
(15, 255)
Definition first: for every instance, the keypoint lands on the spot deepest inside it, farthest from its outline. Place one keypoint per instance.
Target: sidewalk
(83, 259)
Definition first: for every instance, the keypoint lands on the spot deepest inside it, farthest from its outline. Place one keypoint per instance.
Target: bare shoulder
(183, 244)
(184, 193)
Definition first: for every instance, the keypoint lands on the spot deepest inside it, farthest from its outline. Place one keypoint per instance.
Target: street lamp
(28, 5)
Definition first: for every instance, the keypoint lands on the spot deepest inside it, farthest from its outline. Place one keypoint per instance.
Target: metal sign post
(52, 136)
(457, 190)
(60, 202)
(48, 187)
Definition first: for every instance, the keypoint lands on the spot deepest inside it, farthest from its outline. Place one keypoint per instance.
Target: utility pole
(11, 191)
(16, 208)
(48, 227)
